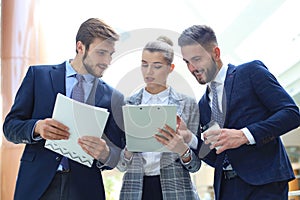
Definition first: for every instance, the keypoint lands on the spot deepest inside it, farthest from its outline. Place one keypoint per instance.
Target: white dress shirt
(220, 80)
(152, 159)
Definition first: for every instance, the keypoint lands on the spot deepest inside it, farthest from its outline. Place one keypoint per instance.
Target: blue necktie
(78, 95)
(217, 115)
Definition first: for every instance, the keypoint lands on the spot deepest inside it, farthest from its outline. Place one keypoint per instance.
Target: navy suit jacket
(254, 99)
(35, 100)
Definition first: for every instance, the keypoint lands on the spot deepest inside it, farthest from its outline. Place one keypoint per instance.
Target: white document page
(82, 119)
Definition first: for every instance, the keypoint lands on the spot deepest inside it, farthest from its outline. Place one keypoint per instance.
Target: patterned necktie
(217, 115)
(78, 92)
(78, 95)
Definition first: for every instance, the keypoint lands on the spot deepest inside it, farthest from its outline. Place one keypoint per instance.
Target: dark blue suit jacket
(254, 99)
(35, 100)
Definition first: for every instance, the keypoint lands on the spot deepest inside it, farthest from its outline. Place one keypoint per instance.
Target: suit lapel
(57, 75)
(91, 100)
(204, 108)
(228, 88)
(102, 93)
(135, 99)
(174, 98)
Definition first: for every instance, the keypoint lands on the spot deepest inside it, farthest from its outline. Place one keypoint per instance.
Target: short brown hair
(198, 34)
(95, 28)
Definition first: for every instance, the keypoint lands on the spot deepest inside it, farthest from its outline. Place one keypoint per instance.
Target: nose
(107, 59)
(191, 67)
(149, 70)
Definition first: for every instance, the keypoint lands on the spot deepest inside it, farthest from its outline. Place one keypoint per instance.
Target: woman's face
(155, 71)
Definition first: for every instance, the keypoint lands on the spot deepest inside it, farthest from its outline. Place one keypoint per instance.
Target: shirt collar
(162, 96)
(70, 72)
(220, 78)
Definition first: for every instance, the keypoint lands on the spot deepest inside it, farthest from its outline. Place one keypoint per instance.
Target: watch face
(186, 154)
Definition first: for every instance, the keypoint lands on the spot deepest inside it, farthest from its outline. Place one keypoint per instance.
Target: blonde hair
(164, 45)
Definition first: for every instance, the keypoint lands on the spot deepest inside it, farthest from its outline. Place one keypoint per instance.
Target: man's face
(98, 57)
(200, 62)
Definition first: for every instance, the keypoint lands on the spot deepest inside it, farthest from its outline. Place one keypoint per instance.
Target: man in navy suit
(255, 110)
(42, 175)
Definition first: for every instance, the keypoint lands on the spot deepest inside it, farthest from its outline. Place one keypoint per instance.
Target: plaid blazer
(174, 175)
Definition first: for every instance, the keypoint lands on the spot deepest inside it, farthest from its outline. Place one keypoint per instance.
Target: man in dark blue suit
(42, 175)
(247, 153)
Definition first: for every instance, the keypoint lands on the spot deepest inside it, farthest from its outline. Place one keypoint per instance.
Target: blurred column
(19, 48)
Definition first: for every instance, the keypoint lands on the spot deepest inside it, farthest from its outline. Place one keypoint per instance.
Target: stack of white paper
(82, 119)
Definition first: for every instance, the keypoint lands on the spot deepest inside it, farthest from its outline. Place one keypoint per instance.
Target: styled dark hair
(95, 28)
(164, 45)
(198, 34)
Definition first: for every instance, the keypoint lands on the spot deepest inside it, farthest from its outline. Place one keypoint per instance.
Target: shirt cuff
(128, 160)
(194, 142)
(35, 138)
(101, 165)
(248, 135)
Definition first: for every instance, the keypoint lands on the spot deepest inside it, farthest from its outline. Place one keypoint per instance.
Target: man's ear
(80, 47)
(217, 53)
(172, 67)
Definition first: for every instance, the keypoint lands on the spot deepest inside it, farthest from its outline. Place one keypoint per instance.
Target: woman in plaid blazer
(157, 175)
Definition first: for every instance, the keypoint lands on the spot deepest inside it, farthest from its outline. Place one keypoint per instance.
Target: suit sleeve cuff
(102, 166)
(35, 138)
(112, 159)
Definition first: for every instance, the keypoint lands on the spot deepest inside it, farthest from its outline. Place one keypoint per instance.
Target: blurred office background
(43, 32)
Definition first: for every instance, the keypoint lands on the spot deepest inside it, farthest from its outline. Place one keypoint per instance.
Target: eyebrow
(153, 62)
(192, 58)
(185, 60)
(106, 51)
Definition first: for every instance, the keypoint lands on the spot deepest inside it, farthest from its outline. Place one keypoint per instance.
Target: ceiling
(267, 30)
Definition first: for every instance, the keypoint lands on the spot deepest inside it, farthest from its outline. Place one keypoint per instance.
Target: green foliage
(112, 184)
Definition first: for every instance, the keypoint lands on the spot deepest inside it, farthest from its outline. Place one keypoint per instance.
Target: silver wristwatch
(186, 154)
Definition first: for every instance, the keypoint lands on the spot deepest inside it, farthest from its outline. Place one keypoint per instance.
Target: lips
(103, 67)
(149, 79)
(198, 72)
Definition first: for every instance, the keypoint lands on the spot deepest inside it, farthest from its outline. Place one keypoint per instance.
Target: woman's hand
(172, 140)
(183, 130)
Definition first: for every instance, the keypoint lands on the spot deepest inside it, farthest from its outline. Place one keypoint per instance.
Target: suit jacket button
(57, 158)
